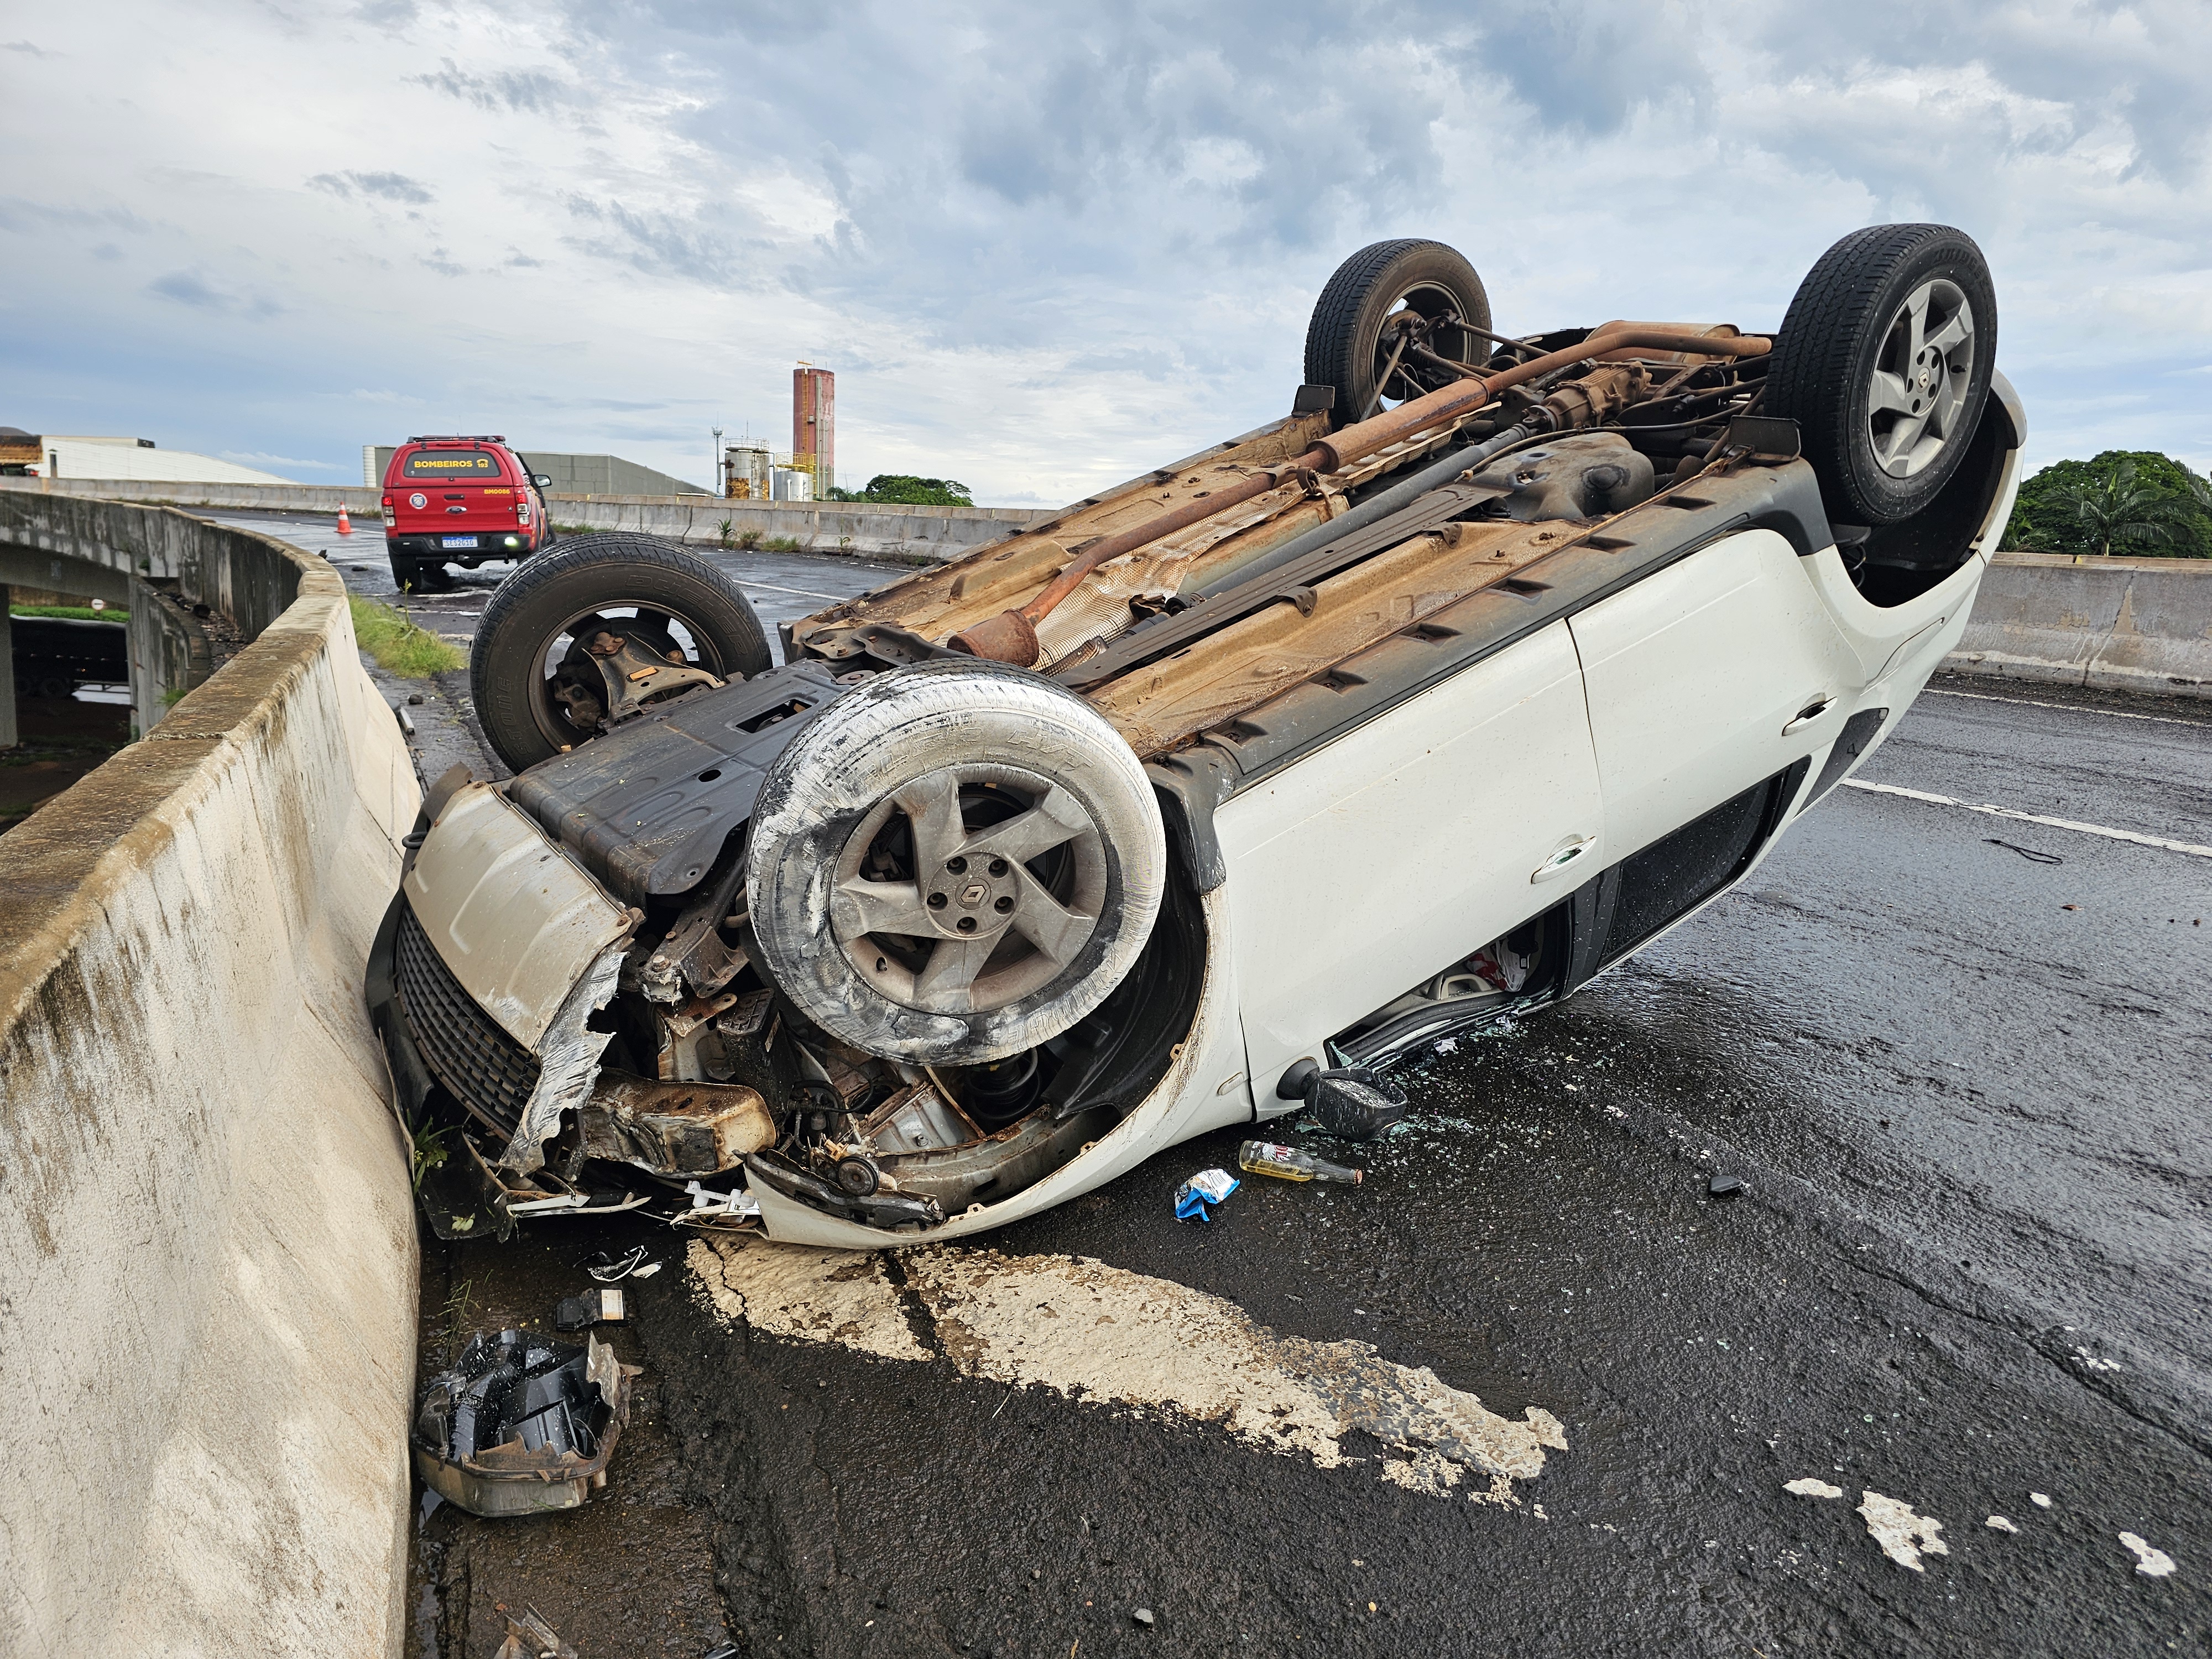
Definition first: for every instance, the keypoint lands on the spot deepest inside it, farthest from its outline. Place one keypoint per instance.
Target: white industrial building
(61, 457)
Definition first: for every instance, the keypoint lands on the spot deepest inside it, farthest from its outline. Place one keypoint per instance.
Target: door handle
(1811, 711)
(1567, 858)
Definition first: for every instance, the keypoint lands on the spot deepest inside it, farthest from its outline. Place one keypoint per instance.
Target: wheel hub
(976, 900)
(1917, 393)
(966, 925)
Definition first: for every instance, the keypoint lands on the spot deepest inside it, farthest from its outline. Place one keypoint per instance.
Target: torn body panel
(509, 913)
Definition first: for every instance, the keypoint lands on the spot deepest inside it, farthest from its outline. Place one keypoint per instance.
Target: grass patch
(74, 612)
(398, 645)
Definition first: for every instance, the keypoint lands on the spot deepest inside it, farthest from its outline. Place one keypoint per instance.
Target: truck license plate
(457, 541)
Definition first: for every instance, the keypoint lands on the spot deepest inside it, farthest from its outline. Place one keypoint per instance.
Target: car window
(471, 464)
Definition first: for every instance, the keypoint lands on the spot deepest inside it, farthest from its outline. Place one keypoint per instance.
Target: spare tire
(954, 863)
(1344, 344)
(527, 672)
(1884, 361)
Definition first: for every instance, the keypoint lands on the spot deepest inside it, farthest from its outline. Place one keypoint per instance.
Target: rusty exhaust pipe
(1011, 636)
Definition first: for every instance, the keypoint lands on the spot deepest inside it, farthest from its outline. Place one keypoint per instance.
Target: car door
(1707, 678)
(1393, 852)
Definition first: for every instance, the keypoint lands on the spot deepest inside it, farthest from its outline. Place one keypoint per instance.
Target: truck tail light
(522, 511)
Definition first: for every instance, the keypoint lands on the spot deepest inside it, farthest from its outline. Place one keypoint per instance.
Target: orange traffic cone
(345, 523)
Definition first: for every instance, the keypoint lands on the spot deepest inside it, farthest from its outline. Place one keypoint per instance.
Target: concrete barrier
(207, 1242)
(2121, 624)
(887, 530)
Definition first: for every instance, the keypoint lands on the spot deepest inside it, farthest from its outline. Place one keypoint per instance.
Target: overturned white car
(1493, 661)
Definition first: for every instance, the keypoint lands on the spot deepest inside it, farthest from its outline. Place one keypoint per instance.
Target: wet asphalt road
(1971, 1265)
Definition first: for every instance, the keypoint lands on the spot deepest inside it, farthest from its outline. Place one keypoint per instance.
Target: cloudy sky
(1043, 246)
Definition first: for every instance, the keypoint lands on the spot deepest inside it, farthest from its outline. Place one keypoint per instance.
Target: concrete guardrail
(207, 1240)
(816, 527)
(2141, 625)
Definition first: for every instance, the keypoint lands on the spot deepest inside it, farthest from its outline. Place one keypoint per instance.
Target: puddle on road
(1088, 1331)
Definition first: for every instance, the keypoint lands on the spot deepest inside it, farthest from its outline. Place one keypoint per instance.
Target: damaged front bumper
(495, 954)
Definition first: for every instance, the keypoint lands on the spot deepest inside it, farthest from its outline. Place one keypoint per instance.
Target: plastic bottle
(1289, 1163)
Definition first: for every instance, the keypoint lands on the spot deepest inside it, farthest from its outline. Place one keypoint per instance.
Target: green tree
(911, 491)
(2117, 507)
(2174, 502)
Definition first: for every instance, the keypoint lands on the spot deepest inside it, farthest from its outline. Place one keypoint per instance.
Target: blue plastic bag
(1207, 1187)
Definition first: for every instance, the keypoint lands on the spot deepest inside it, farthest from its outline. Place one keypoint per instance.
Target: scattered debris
(1289, 1163)
(608, 1269)
(722, 1651)
(2069, 907)
(1903, 1536)
(1724, 1186)
(521, 1422)
(1353, 1104)
(415, 698)
(1811, 1487)
(710, 1209)
(599, 1306)
(531, 1638)
(1142, 1616)
(2040, 1500)
(1998, 1523)
(1208, 1186)
(2150, 1563)
(2027, 853)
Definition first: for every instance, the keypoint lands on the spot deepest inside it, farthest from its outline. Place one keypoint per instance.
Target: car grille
(485, 1068)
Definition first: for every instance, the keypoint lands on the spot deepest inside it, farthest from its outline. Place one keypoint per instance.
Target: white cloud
(255, 458)
(1044, 248)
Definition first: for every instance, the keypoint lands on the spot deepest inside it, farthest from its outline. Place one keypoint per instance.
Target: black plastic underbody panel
(647, 808)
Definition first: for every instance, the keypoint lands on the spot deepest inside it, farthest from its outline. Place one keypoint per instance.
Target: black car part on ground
(521, 1424)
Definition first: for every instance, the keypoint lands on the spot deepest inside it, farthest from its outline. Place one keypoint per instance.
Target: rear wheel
(1884, 361)
(954, 863)
(537, 687)
(1384, 305)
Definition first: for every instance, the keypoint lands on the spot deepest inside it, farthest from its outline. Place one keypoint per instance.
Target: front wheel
(1884, 361)
(953, 864)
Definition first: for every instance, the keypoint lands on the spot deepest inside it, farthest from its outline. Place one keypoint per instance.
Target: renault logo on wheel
(974, 894)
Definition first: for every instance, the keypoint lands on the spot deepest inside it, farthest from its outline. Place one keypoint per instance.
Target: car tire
(1343, 338)
(1884, 361)
(1034, 772)
(530, 610)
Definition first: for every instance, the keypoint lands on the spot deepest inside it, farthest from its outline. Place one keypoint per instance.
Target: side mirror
(542, 480)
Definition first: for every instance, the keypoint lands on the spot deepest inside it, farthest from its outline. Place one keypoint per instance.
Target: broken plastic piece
(531, 1638)
(608, 1269)
(1354, 1103)
(1724, 1186)
(521, 1422)
(599, 1306)
(1289, 1163)
(1208, 1186)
